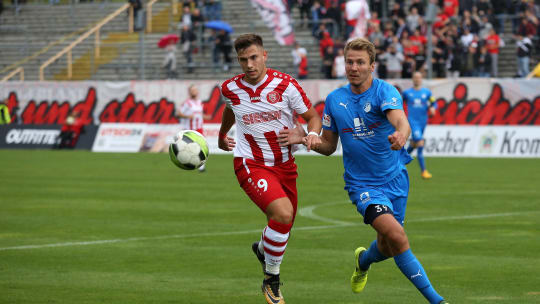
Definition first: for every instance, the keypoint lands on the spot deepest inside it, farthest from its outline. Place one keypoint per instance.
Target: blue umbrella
(219, 25)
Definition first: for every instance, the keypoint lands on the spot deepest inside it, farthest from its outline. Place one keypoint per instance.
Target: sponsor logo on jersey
(343, 104)
(260, 117)
(255, 98)
(327, 121)
(392, 102)
(273, 97)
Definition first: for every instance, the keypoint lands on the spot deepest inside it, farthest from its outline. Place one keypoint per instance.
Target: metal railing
(174, 4)
(18, 70)
(96, 29)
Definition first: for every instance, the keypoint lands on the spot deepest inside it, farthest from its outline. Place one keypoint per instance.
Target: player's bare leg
(393, 242)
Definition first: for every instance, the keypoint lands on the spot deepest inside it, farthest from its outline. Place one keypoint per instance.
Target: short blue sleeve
(328, 121)
(389, 98)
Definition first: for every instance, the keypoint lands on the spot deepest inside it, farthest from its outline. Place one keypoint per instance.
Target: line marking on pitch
(307, 212)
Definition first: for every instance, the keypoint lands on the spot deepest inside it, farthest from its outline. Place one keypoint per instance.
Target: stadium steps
(84, 66)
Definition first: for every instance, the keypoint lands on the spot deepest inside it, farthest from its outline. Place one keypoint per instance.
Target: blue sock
(372, 255)
(410, 149)
(413, 270)
(420, 156)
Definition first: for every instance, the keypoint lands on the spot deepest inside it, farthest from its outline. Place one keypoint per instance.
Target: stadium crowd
(467, 35)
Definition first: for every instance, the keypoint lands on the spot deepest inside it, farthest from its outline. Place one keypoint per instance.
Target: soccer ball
(189, 150)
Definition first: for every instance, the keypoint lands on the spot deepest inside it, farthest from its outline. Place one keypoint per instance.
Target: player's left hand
(397, 140)
(312, 142)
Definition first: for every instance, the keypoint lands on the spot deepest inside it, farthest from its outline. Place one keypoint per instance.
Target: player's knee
(397, 241)
(283, 217)
(420, 143)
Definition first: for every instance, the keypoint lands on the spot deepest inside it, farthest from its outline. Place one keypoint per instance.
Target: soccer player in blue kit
(367, 115)
(419, 102)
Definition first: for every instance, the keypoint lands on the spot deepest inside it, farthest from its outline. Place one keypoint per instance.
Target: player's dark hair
(361, 44)
(246, 40)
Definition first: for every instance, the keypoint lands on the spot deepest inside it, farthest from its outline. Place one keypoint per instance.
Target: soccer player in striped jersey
(261, 102)
(191, 114)
(367, 116)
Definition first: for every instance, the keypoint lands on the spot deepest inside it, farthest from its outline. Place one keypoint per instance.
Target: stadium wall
(501, 113)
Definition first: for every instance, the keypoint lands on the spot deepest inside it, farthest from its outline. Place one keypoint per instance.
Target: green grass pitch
(82, 227)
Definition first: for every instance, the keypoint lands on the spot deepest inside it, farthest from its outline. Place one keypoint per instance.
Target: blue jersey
(418, 103)
(361, 123)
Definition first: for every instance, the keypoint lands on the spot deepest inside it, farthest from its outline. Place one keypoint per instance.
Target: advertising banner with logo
(461, 101)
(41, 136)
(482, 141)
(112, 137)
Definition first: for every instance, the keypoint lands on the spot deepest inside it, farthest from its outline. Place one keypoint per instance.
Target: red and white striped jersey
(192, 107)
(261, 111)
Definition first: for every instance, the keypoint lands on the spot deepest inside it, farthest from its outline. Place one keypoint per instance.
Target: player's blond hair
(361, 44)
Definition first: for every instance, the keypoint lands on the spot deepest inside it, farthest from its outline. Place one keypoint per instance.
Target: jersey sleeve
(328, 122)
(229, 97)
(389, 98)
(298, 99)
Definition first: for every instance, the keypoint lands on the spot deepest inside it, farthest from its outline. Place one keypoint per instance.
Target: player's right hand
(292, 136)
(226, 143)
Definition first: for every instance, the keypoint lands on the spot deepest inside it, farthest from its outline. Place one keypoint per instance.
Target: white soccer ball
(189, 150)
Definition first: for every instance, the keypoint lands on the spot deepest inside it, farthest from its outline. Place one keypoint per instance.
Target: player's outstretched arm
(227, 121)
(314, 128)
(328, 139)
(398, 119)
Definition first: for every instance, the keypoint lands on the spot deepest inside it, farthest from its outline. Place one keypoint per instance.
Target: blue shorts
(417, 132)
(392, 194)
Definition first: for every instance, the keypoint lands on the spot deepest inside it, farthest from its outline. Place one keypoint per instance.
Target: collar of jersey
(253, 87)
(357, 97)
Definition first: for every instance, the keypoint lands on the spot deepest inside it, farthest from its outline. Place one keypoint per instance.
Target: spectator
(394, 62)
(418, 5)
(485, 27)
(338, 69)
(440, 56)
(493, 43)
(483, 62)
(325, 42)
(483, 6)
(187, 40)
(524, 48)
(376, 33)
(318, 13)
(526, 27)
(169, 62)
(305, 8)
(70, 132)
(413, 19)
(450, 8)
(303, 67)
(224, 46)
(335, 19)
(466, 38)
(137, 6)
(467, 21)
(297, 53)
(500, 11)
(212, 9)
(186, 17)
(468, 63)
(328, 61)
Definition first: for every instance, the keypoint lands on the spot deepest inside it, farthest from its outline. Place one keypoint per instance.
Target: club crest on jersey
(364, 197)
(273, 97)
(367, 107)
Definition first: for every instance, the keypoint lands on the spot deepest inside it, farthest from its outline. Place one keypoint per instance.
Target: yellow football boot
(359, 276)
